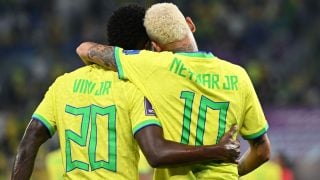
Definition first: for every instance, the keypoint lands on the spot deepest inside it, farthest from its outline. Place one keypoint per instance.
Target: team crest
(148, 108)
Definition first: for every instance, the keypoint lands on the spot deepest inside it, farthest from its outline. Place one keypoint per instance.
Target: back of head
(165, 23)
(125, 28)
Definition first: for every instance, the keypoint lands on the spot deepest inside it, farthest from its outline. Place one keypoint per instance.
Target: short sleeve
(141, 112)
(45, 111)
(254, 121)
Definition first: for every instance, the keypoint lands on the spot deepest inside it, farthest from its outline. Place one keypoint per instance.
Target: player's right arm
(103, 55)
(163, 153)
(257, 154)
(35, 135)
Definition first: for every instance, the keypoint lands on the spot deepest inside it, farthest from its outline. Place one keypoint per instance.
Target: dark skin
(35, 135)
(158, 151)
(161, 152)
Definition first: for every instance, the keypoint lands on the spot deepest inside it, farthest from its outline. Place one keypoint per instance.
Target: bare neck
(185, 45)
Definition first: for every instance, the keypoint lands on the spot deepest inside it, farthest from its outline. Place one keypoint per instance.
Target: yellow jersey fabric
(267, 171)
(197, 98)
(54, 165)
(96, 116)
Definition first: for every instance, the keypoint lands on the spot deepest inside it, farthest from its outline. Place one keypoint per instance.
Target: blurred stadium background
(277, 41)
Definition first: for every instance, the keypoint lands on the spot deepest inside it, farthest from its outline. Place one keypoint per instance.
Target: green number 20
(205, 103)
(89, 119)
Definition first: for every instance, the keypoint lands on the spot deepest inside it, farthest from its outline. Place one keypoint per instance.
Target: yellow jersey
(54, 165)
(96, 116)
(197, 97)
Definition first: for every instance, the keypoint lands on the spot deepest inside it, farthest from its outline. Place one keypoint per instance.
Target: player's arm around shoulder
(102, 55)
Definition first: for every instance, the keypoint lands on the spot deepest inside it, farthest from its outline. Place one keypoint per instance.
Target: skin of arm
(257, 154)
(35, 135)
(99, 54)
(161, 152)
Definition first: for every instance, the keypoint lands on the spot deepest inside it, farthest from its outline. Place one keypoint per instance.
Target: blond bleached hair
(165, 23)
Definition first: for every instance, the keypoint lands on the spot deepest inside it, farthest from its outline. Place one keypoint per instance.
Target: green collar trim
(200, 54)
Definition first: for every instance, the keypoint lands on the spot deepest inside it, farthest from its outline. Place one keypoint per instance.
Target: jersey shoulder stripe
(118, 62)
(144, 124)
(44, 122)
(257, 134)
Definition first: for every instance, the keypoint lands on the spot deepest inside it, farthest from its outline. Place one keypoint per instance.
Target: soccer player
(98, 117)
(207, 94)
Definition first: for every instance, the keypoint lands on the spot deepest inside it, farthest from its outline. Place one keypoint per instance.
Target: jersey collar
(201, 54)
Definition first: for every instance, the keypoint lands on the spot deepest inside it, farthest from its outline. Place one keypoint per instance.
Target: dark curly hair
(125, 28)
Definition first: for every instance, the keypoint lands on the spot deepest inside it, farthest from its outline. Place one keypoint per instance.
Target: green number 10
(89, 119)
(205, 103)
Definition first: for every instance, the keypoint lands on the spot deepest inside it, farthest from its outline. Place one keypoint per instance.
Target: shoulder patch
(148, 108)
(130, 52)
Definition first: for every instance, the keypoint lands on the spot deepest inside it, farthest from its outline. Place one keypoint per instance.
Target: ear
(190, 24)
(156, 47)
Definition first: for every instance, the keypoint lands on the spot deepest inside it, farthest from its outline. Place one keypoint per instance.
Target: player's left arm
(257, 154)
(35, 135)
(100, 54)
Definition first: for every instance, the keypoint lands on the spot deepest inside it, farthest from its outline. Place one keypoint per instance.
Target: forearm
(35, 135)
(161, 152)
(256, 155)
(168, 153)
(83, 53)
(24, 162)
(102, 55)
(247, 163)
